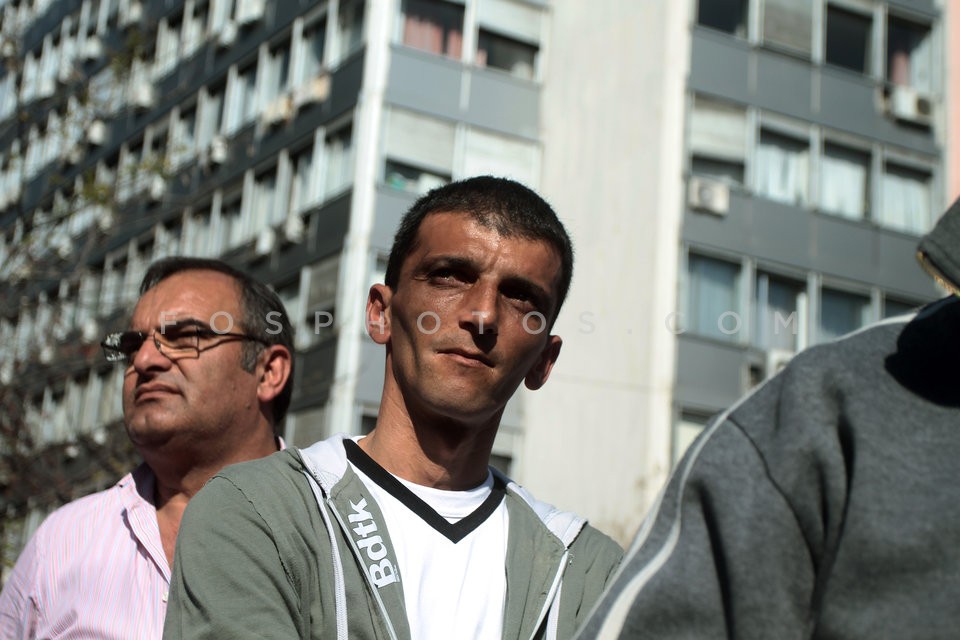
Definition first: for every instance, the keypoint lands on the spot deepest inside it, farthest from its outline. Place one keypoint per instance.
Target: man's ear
(378, 313)
(538, 374)
(277, 364)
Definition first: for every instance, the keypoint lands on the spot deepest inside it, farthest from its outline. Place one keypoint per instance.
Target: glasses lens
(178, 341)
(120, 347)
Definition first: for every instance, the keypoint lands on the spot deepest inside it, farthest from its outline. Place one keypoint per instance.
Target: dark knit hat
(939, 250)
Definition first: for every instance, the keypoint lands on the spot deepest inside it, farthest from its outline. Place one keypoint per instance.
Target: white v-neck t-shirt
(451, 589)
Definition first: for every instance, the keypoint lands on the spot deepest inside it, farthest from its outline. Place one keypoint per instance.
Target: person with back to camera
(824, 504)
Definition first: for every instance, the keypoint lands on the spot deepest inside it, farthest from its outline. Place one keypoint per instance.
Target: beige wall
(597, 436)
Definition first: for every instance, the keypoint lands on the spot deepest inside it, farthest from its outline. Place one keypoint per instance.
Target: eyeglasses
(175, 342)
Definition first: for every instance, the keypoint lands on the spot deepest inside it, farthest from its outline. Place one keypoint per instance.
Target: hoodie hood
(939, 250)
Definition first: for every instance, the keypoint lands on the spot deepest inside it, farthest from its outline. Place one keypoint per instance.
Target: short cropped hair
(508, 207)
(257, 303)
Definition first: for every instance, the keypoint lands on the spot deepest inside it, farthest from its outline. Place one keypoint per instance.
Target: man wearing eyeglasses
(208, 371)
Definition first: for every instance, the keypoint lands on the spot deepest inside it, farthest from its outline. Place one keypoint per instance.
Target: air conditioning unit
(218, 150)
(74, 154)
(293, 228)
(130, 13)
(278, 111)
(905, 103)
(314, 90)
(143, 95)
(249, 11)
(97, 133)
(46, 87)
(91, 49)
(228, 34)
(777, 359)
(156, 188)
(708, 195)
(266, 241)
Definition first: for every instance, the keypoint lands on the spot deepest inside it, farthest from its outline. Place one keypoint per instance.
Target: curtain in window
(434, 26)
(906, 199)
(422, 141)
(788, 23)
(339, 161)
(843, 181)
(909, 54)
(782, 167)
(777, 324)
(841, 313)
(712, 293)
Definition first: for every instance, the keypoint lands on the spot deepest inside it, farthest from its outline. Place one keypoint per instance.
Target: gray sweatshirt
(822, 505)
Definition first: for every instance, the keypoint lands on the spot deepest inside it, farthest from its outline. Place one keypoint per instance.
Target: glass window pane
(777, 312)
(420, 140)
(843, 180)
(728, 16)
(841, 313)
(782, 165)
(906, 199)
(494, 154)
(848, 39)
(434, 26)
(499, 52)
(712, 301)
(788, 23)
(909, 56)
(893, 307)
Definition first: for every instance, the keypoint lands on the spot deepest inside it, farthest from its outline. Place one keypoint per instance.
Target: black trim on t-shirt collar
(455, 531)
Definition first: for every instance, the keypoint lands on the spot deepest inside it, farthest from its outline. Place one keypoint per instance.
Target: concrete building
(742, 178)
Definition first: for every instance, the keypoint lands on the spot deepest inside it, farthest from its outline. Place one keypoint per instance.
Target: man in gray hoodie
(822, 505)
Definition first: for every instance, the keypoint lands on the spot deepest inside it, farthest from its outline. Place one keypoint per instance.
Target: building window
(241, 104)
(232, 233)
(713, 303)
(349, 27)
(434, 26)
(844, 180)
(778, 312)
(419, 151)
(909, 57)
(321, 300)
(500, 52)
(729, 16)
(276, 68)
(183, 141)
(311, 47)
(789, 24)
(194, 23)
(490, 153)
(848, 39)
(782, 167)
(303, 189)
(263, 209)
(718, 140)
(893, 308)
(841, 313)
(405, 177)
(338, 150)
(198, 239)
(211, 115)
(906, 201)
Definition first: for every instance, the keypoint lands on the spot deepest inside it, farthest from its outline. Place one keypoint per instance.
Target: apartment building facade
(742, 178)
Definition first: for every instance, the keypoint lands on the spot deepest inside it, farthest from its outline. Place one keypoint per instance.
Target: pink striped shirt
(94, 569)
